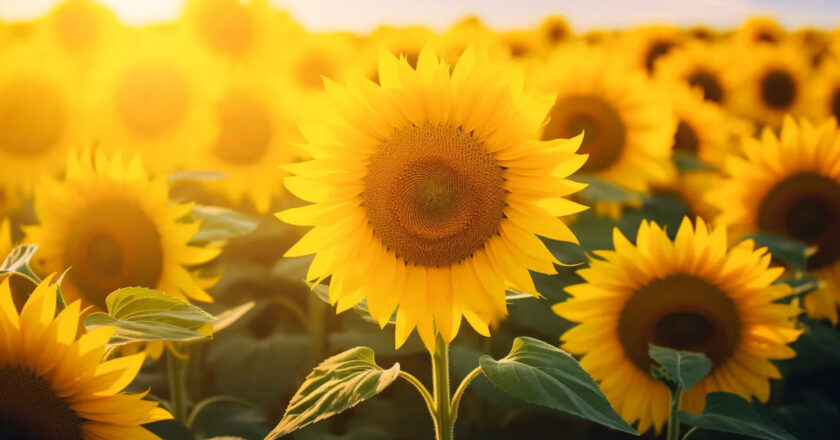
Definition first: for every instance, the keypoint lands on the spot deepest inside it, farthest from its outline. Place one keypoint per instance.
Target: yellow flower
(554, 29)
(791, 185)
(81, 31)
(645, 45)
(114, 227)
(256, 119)
(55, 385)
(628, 124)
(5, 239)
(824, 97)
(760, 30)
(707, 66)
(704, 129)
(688, 294)
(154, 96)
(428, 191)
(40, 118)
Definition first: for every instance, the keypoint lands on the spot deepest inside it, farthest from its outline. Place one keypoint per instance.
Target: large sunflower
(55, 385)
(690, 294)
(114, 227)
(774, 82)
(155, 97)
(40, 118)
(437, 183)
(707, 66)
(257, 131)
(791, 185)
(629, 128)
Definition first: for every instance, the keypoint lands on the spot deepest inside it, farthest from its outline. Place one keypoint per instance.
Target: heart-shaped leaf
(337, 384)
(221, 224)
(685, 367)
(150, 315)
(726, 412)
(542, 374)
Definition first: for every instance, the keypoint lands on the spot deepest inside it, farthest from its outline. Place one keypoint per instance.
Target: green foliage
(792, 253)
(726, 412)
(684, 368)
(542, 374)
(323, 293)
(337, 384)
(230, 316)
(600, 190)
(17, 262)
(221, 224)
(802, 285)
(150, 315)
(690, 162)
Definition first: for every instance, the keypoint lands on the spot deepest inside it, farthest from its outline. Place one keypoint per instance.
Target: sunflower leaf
(600, 190)
(685, 367)
(726, 412)
(690, 162)
(230, 316)
(542, 374)
(792, 253)
(18, 262)
(337, 384)
(221, 224)
(143, 314)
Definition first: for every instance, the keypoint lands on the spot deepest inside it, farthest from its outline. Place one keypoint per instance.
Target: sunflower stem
(459, 393)
(673, 417)
(178, 398)
(444, 419)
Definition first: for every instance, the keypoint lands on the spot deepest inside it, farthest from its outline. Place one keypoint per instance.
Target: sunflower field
(229, 226)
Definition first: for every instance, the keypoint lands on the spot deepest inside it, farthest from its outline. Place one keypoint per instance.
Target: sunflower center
(766, 36)
(682, 312)
(835, 104)
(30, 410)
(685, 139)
(32, 117)
(152, 99)
(604, 136)
(245, 130)
(76, 25)
(778, 89)
(433, 194)
(657, 50)
(226, 25)
(712, 90)
(115, 245)
(806, 207)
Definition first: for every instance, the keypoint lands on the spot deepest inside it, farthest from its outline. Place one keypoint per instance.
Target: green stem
(459, 393)
(176, 369)
(673, 417)
(690, 431)
(427, 397)
(444, 420)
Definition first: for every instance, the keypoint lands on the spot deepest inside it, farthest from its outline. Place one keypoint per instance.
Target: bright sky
(364, 15)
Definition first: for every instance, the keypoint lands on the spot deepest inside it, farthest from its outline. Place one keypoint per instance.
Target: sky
(365, 15)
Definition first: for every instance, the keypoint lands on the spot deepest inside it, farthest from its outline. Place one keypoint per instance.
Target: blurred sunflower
(40, 118)
(774, 83)
(816, 43)
(690, 294)
(241, 30)
(55, 385)
(317, 56)
(401, 41)
(707, 66)
(469, 32)
(791, 185)
(115, 227)
(824, 99)
(554, 29)
(257, 131)
(522, 43)
(155, 97)
(629, 127)
(5, 238)
(437, 183)
(81, 30)
(760, 30)
(703, 128)
(645, 45)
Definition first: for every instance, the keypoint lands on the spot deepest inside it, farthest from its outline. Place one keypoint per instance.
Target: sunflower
(554, 29)
(824, 99)
(155, 97)
(774, 83)
(5, 239)
(645, 45)
(317, 56)
(81, 30)
(791, 185)
(704, 129)
(55, 385)
(240, 30)
(115, 227)
(707, 66)
(40, 118)
(760, 30)
(437, 183)
(629, 128)
(256, 119)
(690, 294)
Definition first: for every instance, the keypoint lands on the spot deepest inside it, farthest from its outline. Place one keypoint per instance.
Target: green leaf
(726, 412)
(600, 190)
(690, 162)
(337, 384)
(685, 367)
(150, 315)
(791, 252)
(195, 176)
(221, 224)
(542, 374)
(802, 285)
(18, 262)
(230, 316)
